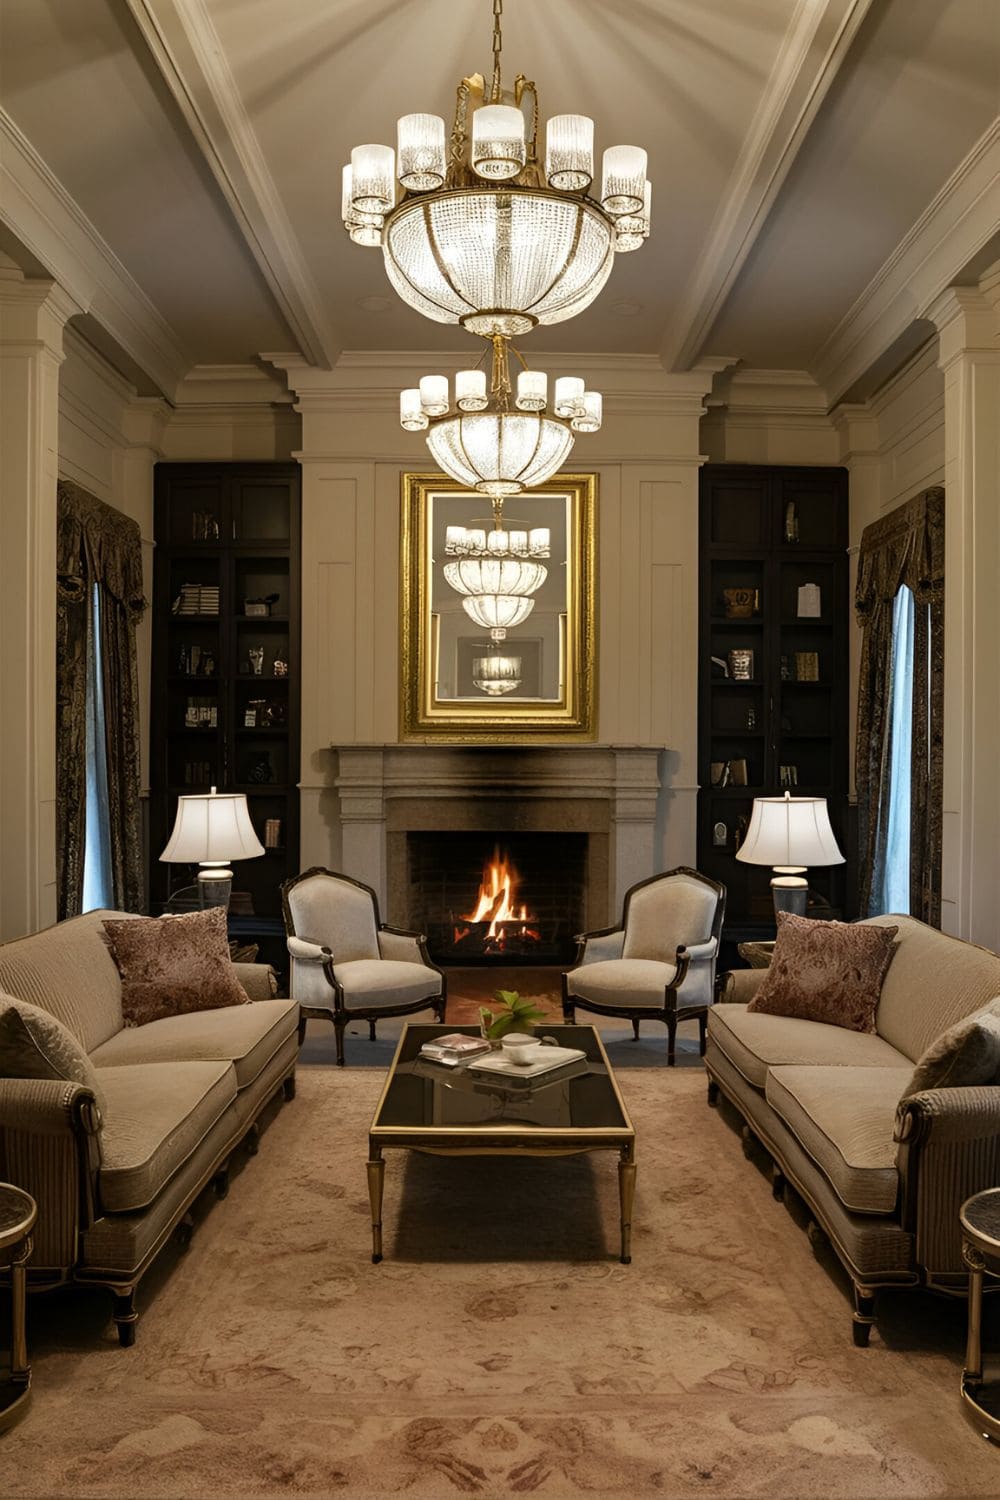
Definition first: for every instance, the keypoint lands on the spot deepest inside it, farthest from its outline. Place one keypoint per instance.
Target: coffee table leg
(376, 1178)
(20, 1370)
(626, 1193)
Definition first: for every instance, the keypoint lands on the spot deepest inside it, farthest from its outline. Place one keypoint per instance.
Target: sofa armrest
(738, 986)
(949, 1149)
(50, 1146)
(259, 980)
(596, 947)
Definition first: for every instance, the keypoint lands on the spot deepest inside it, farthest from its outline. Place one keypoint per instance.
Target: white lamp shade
(790, 833)
(212, 829)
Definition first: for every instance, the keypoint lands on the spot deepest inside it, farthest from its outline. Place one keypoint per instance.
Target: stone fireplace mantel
(610, 792)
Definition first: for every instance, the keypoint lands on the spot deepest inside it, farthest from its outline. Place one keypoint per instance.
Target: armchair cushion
(385, 981)
(826, 971)
(33, 1044)
(622, 981)
(174, 964)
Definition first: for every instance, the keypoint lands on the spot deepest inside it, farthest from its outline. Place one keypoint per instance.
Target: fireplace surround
(607, 792)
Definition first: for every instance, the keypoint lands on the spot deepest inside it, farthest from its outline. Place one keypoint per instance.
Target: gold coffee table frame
(499, 1139)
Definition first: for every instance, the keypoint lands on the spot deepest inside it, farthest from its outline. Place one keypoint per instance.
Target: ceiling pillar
(968, 322)
(33, 315)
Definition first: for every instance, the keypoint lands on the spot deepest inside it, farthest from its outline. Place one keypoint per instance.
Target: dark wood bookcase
(227, 534)
(766, 533)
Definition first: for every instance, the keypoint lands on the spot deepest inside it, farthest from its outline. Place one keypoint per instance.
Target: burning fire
(496, 904)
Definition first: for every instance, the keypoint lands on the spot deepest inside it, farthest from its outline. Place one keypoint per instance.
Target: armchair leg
(635, 1029)
(439, 1010)
(338, 1026)
(371, 1031)
(702, 1032)
(568, 1008)
(671, 1041)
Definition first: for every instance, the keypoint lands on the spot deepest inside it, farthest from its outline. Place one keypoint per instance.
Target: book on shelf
(454, 1048)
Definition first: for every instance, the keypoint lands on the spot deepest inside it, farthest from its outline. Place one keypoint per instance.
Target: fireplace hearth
(495, 898)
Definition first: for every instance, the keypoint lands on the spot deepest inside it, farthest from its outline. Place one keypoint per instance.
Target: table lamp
(210, 829)
(789, 834)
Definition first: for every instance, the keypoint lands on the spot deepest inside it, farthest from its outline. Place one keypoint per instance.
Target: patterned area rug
(500, 1349)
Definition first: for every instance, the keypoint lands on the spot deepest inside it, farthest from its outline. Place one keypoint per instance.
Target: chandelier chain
(496, 91)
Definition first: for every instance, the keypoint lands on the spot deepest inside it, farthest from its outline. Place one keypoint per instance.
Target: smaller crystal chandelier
(490, 443)
(496, 571)
(496, 675)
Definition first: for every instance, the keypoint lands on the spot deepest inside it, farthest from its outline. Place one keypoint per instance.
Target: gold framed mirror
(498, 629)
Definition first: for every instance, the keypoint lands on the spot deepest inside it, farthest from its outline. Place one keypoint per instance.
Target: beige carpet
(500, 1349)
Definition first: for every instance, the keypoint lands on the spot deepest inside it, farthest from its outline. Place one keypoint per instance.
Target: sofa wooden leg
(777, 1183)
(863, 1320)
(713, 1092)
(288, 1087)
(125, 1317)
(221, 1182)
(748, 1141)
(185, 1231)
(817, 1237)
(252, 1139)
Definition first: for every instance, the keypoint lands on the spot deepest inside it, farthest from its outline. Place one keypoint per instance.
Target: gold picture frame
(558, 641)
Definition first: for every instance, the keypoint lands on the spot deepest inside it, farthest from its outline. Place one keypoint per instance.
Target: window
(895, 894)
(98, 888)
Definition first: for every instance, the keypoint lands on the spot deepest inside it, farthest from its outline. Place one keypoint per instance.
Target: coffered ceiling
(192, 150)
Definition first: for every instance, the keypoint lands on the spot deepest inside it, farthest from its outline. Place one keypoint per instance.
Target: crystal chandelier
(496, 571)
(496, 675)
(475, 229)
(490, 444)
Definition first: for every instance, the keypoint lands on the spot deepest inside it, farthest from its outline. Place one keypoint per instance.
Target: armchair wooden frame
(340, 1013)
(671, 1011)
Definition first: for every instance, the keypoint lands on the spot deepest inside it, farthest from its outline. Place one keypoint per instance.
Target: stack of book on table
(454, 1048)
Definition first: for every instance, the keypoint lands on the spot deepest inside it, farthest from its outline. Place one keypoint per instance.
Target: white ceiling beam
(958, 225)
(188, 53)
(50, 223)
(818, 40)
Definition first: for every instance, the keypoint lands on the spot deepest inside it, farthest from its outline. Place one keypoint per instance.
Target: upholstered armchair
(659, 965)
(346, 964)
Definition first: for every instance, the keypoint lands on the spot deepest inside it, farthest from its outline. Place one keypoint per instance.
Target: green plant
(512, 1014)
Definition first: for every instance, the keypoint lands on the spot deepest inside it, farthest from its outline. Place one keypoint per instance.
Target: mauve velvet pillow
(173, 965)
(826, 971)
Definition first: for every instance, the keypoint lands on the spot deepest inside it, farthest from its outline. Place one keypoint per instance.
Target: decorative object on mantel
(789, 834)
(505, 442)
(485, 235)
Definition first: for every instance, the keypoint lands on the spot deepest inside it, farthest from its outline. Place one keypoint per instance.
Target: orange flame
(496, 896)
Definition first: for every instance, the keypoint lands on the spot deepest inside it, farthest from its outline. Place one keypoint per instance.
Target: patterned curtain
(97, 545)
(904, 547)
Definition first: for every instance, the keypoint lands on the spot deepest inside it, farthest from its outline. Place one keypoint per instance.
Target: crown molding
(955, 227)
(232, 386)
(53, 226)
(818, 40)
(186, 49)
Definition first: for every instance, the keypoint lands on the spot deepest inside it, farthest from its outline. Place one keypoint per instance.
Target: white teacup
(520, 1048)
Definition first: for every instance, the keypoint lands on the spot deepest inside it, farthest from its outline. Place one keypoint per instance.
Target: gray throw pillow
(967, 1053)
(33, 1044)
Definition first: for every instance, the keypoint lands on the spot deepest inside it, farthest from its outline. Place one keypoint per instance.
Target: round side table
(18, 1212)
(979, 1217)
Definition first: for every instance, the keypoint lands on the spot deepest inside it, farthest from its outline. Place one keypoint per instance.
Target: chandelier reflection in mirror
(476, 229)
(506, 441)
(496, 675)
(497, 571)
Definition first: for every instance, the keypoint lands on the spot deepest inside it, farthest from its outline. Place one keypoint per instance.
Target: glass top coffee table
(446, 1111)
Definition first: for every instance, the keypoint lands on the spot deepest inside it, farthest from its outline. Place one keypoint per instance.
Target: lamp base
(214, 888)
(790, 893)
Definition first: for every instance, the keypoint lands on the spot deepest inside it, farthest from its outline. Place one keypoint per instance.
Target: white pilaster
(33, 315)
(969, 329)
(858, 432)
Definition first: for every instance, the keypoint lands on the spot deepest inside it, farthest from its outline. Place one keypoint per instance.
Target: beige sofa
(883, 1173)
(181, 1094)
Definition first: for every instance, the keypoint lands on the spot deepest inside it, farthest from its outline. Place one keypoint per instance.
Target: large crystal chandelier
(477, 230)
(508, 440)
(496, 571)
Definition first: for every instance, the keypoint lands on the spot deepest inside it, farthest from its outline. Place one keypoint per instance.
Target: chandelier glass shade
(507, 441)
(496, 675)
(479, 231)
(496, 571)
